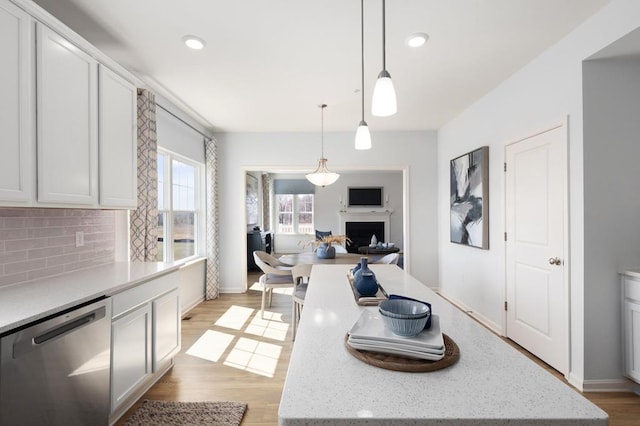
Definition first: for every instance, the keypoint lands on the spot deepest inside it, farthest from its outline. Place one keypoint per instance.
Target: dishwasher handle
(34, 337)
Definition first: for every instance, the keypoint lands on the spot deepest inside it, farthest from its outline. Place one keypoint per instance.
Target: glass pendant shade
(322, 176)
(363, 137)
(384, 96)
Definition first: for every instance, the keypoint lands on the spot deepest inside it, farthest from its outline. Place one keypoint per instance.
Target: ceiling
(268, 64)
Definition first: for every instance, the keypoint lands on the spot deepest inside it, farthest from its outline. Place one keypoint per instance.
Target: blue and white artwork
(469, 175)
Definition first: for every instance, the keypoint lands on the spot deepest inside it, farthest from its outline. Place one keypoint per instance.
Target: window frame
(168, 210)
(295, 222)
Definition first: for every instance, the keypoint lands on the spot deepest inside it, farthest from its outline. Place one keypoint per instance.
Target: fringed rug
(173, 413)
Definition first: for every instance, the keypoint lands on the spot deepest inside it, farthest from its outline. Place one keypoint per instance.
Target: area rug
(173, 413)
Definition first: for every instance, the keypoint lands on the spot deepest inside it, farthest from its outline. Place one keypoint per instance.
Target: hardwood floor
(229, 353)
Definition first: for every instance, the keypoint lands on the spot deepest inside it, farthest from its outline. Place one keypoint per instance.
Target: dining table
(311, 258)
(490, 383)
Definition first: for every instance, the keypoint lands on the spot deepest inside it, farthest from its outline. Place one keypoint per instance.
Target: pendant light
(363, 137)
(322, 176)
(384, 95)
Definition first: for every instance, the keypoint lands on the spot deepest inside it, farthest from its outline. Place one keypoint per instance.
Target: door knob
(555, 261)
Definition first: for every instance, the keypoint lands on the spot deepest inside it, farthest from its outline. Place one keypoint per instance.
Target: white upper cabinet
(66, 88)
(68, 124)
(117, 141)
(16, 107)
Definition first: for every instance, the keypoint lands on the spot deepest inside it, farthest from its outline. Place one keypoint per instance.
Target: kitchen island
(492, 383)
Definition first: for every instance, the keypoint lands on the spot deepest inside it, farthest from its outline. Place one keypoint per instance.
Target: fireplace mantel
(366, 216)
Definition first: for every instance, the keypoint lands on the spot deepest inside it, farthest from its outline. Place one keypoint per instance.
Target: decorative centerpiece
(324, 247)
(364, 279)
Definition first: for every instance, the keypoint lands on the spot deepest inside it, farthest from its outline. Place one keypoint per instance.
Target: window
(295, 213)
(178, 206)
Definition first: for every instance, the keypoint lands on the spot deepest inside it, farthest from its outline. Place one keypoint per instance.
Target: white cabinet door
(166, 328)
(130, 353)
(117, 141)
(66, 86)
(632, 339)
(16, 106)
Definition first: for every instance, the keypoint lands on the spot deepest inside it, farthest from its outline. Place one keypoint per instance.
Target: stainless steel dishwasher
(56, 371)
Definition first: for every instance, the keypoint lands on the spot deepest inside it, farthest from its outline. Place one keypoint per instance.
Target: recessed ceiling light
(193, 42)
(417, 39)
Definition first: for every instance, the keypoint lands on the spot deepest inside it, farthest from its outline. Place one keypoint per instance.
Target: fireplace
(360, 225)
(360, 234)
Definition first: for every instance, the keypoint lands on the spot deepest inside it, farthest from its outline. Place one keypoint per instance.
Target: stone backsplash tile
(37, 243)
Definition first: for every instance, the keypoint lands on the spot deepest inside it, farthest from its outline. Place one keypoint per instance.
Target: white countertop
(492, 383)
(633, 272)
(26, 302)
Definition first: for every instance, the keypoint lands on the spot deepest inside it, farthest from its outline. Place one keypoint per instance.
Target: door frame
(565, 223)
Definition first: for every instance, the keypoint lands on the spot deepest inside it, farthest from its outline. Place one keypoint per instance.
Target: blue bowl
(404, 309)
(405, 327)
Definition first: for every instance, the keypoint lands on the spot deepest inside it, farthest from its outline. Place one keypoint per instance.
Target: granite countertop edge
(24, 303)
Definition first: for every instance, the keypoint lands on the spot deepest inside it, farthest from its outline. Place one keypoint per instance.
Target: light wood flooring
(229, 353)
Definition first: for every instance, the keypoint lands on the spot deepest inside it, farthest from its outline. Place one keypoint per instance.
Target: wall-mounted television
(364, 196)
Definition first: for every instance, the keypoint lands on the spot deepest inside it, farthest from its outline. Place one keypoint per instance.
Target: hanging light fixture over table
(363, 137)
(322, 176)
(384, 95)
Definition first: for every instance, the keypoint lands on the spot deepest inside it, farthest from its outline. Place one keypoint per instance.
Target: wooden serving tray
(412, 365)
(367, 300)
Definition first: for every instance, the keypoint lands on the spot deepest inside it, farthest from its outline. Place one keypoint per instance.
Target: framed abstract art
(469, 199)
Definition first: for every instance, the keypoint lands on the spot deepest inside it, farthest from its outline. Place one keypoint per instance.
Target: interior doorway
(537, 302)
(331, 202)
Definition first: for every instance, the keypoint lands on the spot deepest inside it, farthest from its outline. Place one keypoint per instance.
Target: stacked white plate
(369, 333)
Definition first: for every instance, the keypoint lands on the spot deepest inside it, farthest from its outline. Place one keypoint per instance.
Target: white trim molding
(366, 216)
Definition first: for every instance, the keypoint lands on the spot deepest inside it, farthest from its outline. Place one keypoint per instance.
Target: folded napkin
(427, 326)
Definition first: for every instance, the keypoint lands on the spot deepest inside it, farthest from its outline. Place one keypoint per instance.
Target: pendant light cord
(322, 107)
(384, 38)
(362, 55)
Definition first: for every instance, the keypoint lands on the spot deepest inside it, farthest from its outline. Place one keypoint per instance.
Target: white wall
(611, 153)
(541, 94)
(415, 152)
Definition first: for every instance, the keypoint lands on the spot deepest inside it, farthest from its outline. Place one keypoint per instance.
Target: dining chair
(339, 248)
(389, 259)
(277, 274)
(300, 275)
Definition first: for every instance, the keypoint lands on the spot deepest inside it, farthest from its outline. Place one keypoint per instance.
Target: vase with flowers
(324, 248)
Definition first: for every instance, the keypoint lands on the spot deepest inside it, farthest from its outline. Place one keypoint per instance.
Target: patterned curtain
(213, 259)
(144, 220)
(267, 195)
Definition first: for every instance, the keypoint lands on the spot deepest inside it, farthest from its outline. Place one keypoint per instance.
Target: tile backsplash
(37, 243)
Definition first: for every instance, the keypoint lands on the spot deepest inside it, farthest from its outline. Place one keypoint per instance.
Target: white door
(537, 297)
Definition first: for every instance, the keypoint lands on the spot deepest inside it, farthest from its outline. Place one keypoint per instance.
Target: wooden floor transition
(229, 353)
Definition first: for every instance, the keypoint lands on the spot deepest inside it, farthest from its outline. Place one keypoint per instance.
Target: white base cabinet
(631, 326)
(130, 353)
(166, 329)
(145, 336)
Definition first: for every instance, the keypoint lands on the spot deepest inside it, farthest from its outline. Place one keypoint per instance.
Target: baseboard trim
(231, 290)
(608, 385)
(192, 305)
(466, 309)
